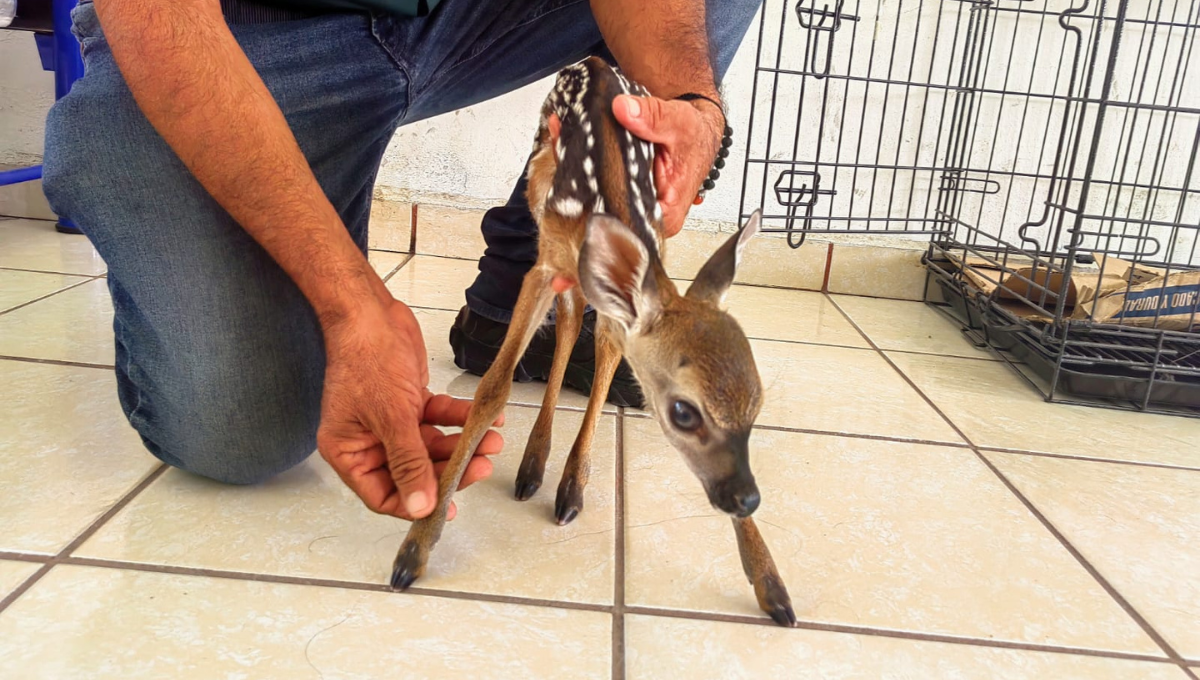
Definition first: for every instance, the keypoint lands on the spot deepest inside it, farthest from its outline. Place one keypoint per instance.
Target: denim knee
(234, 429)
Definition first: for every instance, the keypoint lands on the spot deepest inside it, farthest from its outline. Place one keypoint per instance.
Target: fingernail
(416, 502)
(633, 106)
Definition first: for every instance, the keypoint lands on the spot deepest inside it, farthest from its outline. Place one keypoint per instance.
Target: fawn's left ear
(717, 274)
(614, 272)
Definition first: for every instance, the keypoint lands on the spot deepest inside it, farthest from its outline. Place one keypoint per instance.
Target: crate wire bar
(1026, 141)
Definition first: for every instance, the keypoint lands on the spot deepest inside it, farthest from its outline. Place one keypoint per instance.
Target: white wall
(26, 92)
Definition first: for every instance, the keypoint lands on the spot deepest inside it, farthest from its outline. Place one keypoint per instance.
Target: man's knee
(235, 430)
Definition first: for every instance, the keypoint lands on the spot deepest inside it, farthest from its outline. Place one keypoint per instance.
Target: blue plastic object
(20, 175)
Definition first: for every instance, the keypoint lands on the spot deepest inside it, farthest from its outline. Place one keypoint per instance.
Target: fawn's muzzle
(737, 495)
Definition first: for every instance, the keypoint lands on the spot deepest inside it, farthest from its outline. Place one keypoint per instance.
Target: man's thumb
(643, 116)
(412, 471)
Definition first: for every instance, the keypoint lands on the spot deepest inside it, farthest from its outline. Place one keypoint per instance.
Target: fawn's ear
(614, 272)
(717, 274)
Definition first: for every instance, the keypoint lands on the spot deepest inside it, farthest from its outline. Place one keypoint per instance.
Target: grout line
(890, 633)
(330, 583)
(83, 536)
(618, 671)
(396, 270)
(1089, 459)
(1095, 573)
(108, 514)
(56, 362)
(24, 586)
(828, 269)
(49, 295)
(618, 614)
(1045, 521)
(412, 230)
(24, 557)
(50, 271)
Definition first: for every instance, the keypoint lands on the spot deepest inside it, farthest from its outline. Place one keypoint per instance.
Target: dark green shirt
(412, 8)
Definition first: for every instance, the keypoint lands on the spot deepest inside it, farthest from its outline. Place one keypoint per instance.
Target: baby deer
(591, 190)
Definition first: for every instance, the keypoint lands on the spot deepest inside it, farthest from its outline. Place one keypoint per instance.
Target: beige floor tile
(444, 376)
(910, 327)
(837, 389)
(19, 287)
(34, 244)
(13, 574)
(84, 623)
(434, 282)
(391, 225)
(677, 648)
(449, 232)
(307, 523)
(877, 272)
(385, 263)
(74, 325)
(794, 315)
(66, 453)
(995, 407)
(1139, 526)
(867, 533)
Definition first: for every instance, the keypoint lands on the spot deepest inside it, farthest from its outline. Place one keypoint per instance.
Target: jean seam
(135, 412)
(395, 59)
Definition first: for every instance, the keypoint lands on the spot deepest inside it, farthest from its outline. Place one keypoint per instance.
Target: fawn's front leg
(490, 396)
(537, 448)
(569, 501)
(760, 570)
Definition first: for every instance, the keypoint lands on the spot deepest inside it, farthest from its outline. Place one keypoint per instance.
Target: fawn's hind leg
(569, 501)
(537, 448)
(760, 570)
(490, 396)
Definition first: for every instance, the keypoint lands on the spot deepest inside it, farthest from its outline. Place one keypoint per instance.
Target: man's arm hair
(661, 44)
(198, 89)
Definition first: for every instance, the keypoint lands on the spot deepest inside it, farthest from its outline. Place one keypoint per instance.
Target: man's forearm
(663, 44)
(200, 92)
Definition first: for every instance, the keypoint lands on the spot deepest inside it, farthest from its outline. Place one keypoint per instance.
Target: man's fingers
(412, 472)
(441, 446)
(647, 118)
(443, 409)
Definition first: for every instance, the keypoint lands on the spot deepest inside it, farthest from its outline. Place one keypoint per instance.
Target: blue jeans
(219, 358)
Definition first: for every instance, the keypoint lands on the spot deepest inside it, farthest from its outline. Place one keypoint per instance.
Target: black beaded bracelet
(722, 153)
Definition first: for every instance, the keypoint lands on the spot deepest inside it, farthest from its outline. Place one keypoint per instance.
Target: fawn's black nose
(746, 503)
(736, 496)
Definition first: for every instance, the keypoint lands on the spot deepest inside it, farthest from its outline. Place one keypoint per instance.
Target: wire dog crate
(1045, 149)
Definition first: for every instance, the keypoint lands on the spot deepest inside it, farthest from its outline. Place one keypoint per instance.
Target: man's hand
(687, 136)
(379, 422)
(663, 45)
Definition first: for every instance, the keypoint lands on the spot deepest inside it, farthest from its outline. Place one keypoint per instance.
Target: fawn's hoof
(408, 566)
(777, 603)
(525, 490)
(569, 502)
(529, 477)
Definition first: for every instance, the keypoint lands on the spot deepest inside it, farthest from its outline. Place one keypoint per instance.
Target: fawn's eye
(685, 416)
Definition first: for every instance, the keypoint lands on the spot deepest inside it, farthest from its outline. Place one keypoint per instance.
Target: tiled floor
(932, 517)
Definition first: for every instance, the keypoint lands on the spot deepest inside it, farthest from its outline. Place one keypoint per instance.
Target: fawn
(592, 192)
